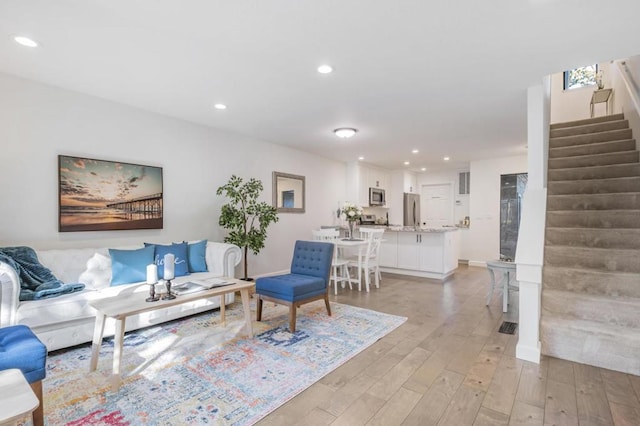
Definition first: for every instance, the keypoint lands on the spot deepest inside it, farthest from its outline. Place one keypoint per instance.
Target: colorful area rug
(191, 372)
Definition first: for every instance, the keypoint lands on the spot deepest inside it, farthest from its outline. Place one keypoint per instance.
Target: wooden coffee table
(122, 306)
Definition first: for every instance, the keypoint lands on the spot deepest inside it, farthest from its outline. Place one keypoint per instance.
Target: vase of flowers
(352, 214)
(599, 80)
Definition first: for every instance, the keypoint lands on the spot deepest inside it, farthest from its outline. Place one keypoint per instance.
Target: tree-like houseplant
(245, 218)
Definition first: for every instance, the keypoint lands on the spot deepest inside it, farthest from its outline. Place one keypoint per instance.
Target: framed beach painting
(99, 195)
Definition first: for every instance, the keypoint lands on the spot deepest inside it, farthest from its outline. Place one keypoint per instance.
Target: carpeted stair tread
(593, 258)
(594, 186)
(593, 218)
(591, 342)
(591, 273)
(611, 135)
(616, 201)
(601, 126)
(593, 148)
(619, 311)
(595, 172)
(594, 160)
(587, 121)
(596, 283)
(594, 237)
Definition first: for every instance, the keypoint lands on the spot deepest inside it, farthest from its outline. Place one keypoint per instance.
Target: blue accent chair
(308, 280)
(21, 349)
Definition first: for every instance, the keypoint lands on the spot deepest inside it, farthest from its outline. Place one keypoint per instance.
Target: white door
(436, 203)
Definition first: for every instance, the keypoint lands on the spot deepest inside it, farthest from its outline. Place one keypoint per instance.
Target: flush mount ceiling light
(447, 158)
(25, 41)
(360, 158)
(406, 163)
(220, 106)
(345, 132)
(424, 169)
(325, 69)
(415, 151)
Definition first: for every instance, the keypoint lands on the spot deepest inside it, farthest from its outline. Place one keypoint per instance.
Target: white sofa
(68, 320)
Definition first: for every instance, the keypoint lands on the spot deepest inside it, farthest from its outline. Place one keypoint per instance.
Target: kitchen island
(429, 252)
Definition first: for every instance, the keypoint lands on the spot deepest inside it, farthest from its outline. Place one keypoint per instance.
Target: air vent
(465, 182)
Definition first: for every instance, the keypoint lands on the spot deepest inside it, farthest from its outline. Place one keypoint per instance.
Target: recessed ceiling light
(361, 158)
(424, 169)
(447, 158)
(406, 163)
(345, 132)
(415, 151)
(325, 69)
(25, 41)
(220, 106)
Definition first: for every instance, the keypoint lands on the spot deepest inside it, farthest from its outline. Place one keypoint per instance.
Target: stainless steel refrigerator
(411, 209)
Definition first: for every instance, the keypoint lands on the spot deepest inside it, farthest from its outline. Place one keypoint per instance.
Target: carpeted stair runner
(591, 275)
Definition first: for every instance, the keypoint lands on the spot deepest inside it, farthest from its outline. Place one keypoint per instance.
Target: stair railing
(629, 83)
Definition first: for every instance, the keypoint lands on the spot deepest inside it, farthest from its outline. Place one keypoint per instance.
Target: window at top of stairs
(580, 77)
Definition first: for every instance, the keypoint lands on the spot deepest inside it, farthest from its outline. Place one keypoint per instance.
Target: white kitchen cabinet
(421, 251)
(407, 250)
(424, 254)
(388, 256)
(430, 251)
(410, 183)
(378, 178)
(361, 177)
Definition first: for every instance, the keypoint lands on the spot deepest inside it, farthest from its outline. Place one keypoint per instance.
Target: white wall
(39, 122)
(484, 204)
(574, 104)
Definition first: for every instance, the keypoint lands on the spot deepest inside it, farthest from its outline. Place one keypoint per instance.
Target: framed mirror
(288, 193)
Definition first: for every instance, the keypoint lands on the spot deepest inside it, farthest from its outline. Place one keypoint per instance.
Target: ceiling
(448, 78)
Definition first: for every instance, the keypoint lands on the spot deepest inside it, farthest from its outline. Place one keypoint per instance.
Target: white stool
(18, 400)
(507, 269)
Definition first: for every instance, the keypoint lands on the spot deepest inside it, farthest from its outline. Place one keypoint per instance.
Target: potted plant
(245, 218)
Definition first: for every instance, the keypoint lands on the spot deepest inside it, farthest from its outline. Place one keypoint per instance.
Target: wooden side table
(18, 400)
(600, 96)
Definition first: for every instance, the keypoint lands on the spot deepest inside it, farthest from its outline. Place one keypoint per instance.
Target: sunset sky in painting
(95, 183)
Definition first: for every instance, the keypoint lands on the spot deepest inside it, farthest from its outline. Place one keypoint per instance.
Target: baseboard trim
(478, 263)
(529, 353)
(421, 274)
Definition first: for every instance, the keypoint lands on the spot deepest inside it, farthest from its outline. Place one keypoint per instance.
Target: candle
(152, 274)
(169, 266)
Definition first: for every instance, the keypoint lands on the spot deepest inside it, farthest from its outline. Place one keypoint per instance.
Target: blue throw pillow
(179, 250)
(197, 257)
(130, 266)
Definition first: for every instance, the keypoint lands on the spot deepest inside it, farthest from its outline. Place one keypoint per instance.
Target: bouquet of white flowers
(351, 212)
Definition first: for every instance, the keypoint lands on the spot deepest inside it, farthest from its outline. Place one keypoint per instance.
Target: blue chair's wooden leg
(326, 302)
(292, 317)
(259, 309)
(38, 414)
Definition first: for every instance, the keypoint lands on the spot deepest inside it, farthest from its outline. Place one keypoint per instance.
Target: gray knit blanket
(36, 280)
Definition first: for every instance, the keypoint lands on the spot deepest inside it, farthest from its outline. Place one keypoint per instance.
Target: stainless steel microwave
(377, 197)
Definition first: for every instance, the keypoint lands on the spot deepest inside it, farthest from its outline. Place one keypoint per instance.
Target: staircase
(591, 274)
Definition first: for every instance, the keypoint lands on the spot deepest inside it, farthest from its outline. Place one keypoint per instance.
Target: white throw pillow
(98, 273)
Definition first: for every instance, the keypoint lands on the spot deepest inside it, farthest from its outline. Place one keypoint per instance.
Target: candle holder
(153, 297)
(168, 295)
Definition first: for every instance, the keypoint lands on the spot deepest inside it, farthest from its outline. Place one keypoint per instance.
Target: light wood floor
(448, 365)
